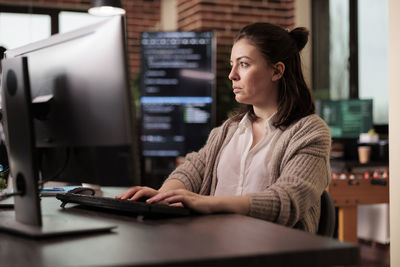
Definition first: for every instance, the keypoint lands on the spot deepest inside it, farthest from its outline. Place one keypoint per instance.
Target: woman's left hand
(177, 197)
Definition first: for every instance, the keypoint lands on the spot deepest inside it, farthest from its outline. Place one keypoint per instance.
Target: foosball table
(349, 190)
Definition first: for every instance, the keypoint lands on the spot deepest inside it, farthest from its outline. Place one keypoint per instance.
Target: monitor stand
(26, 218)
(7, 203)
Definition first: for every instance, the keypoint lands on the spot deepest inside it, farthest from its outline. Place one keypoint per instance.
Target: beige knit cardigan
(299, 171)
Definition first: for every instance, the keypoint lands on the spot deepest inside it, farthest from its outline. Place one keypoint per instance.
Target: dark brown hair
(278, 45)
(2, 50)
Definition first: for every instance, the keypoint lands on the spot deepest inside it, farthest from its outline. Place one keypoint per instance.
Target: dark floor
(374, 254)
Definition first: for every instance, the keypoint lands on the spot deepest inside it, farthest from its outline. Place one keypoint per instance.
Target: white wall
(303, 19)
(169, 15)
(394, 130)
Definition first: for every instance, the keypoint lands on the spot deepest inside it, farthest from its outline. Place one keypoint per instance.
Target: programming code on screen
(177, 92)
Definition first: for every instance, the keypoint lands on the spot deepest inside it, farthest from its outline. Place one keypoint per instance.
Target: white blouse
(242, 170)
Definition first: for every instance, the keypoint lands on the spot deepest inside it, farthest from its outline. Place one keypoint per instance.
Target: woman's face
(254, 81)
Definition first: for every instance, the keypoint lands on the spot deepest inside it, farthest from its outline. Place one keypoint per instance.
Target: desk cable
(42, 181)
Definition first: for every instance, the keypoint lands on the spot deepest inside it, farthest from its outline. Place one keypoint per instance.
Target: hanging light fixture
(106, 8)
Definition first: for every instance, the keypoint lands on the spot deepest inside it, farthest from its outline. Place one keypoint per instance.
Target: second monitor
(68, 117)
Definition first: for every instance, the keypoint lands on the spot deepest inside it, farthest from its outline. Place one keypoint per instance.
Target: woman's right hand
(136, 192)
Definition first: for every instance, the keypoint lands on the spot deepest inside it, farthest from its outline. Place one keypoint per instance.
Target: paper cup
(364, 153)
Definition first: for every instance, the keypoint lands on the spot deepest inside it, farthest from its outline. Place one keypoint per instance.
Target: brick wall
(141, 15)
(226, 18)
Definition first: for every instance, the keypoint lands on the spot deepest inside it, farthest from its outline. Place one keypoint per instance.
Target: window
(17, 29)
(339, 52)
(373, 56)
(350, 52)
(21, 25)
(69, 21)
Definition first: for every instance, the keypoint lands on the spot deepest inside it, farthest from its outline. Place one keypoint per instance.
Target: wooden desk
(215, 240)
(348, 194)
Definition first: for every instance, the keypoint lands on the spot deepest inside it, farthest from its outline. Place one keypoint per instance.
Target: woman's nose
(233, 76)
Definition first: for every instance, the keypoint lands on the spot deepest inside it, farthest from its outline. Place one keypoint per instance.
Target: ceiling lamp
(106, 8)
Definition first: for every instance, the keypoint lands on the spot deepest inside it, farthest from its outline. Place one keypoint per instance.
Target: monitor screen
(68, 114)
(346, 118)
(177, 92)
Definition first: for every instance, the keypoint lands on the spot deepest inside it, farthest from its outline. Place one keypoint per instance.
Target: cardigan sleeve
(303, 174)
(191, 172)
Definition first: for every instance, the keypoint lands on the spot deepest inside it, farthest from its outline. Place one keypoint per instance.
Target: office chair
(327, 220)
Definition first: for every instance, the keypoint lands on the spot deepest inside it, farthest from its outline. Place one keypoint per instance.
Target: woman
(270, 161)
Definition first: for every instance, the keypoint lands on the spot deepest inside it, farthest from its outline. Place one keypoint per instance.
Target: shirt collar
(269, 126)
(245, 123)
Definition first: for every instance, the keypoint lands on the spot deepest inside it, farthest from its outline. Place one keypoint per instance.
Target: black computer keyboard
(123, 206)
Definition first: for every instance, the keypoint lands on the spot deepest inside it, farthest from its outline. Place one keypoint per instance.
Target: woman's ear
(279, 69)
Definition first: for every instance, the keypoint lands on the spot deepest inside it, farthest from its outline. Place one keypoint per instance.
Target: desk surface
(214, 240)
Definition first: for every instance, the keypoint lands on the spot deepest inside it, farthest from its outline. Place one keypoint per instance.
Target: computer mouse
(83, 191)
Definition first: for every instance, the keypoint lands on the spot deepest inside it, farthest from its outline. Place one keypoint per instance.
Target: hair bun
(300, 36)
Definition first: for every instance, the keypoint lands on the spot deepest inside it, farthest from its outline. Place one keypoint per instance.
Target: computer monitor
(68, 116)
(346, 118)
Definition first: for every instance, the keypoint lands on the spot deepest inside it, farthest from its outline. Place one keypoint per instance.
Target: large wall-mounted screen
(177, 91)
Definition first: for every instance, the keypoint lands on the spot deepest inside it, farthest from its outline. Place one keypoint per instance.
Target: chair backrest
(327, 220)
